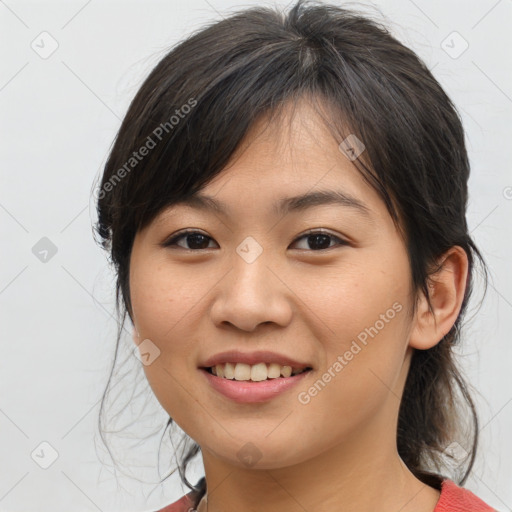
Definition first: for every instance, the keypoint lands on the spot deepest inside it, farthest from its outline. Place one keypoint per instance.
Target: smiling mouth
(254, 373)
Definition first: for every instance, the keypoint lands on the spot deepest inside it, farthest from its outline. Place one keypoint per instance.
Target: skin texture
(340, 447)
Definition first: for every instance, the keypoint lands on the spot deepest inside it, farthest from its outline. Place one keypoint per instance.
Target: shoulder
(457, 499)
(184, 504)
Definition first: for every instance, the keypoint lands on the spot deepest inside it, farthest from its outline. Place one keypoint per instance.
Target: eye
(319, 240)
(196, 239)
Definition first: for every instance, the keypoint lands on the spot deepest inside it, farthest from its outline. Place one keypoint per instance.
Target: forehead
(289, 163)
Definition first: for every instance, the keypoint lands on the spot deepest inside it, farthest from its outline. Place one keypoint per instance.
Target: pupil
(316, 238)
(197, 237)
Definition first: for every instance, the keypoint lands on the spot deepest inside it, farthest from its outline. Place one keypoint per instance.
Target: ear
(446, 289)
(136, 337)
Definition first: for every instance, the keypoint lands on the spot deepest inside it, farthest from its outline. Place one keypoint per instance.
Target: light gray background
(59, 117)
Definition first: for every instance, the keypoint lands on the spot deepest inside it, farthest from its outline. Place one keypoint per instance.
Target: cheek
(361, 377)
(362, 308)
(165, 306)
(363, 294)
(164, 301)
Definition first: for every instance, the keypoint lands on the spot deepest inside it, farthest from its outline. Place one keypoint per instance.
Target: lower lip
(243, 391)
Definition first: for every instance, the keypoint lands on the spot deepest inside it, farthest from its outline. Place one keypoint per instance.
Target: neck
(348, 476)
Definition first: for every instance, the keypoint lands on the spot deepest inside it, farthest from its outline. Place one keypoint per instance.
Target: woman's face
(337, 303)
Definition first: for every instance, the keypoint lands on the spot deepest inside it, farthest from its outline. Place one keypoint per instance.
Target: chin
(261, 453)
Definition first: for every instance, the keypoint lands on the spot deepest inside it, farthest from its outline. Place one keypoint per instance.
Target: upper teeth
(255, 372)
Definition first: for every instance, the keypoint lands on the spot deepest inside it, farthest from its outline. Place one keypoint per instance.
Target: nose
(252, 294)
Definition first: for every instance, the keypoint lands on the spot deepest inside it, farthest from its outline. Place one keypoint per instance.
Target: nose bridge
(250, 266)
(251, 294)
(251, 277)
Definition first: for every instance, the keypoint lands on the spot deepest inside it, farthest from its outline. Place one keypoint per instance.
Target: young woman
(285, 207)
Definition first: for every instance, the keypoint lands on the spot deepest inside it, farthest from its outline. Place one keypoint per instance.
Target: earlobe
(446, 289)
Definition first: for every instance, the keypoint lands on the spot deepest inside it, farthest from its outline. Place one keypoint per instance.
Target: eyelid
(321, 231)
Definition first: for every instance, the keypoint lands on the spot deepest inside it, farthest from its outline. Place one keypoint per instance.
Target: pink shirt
(453, 499)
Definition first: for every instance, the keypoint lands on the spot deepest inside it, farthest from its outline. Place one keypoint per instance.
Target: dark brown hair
(200, 100)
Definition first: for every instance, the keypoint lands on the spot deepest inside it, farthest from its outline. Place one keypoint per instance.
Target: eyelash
(174, 239)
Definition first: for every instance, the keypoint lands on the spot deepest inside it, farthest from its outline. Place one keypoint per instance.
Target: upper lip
(251, 358)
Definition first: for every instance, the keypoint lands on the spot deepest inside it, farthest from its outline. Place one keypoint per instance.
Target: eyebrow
(287, 204)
